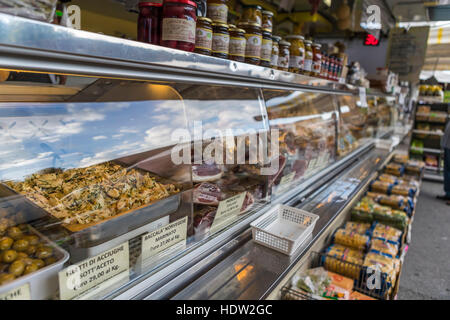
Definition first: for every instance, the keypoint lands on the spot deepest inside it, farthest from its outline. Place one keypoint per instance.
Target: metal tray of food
(94, 233)
(43, 283)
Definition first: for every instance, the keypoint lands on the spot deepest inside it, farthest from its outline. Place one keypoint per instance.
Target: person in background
(445, 144)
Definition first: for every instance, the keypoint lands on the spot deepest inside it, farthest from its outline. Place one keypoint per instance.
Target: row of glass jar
(251, 41)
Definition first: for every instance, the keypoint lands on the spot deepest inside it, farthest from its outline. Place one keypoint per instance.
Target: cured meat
(299, 167)
(203, 221)
(207, 193)
(206, 172)
(248, 202)
(281, 164)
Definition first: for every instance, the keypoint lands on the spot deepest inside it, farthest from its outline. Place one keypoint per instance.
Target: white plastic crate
(283, 228)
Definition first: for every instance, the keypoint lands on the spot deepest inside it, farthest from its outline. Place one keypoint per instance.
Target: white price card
(362, 97)
(286, 179)
(227, 211)
(159, 240)
(19, 293)
(81, 277)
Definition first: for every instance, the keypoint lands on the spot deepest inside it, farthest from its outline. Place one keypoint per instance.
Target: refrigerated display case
(130, 170)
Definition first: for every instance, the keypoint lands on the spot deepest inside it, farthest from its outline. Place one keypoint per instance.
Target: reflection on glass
(307, 128)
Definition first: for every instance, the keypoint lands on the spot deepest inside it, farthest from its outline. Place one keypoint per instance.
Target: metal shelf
(51, 48)
(428, 150)
(432, 133)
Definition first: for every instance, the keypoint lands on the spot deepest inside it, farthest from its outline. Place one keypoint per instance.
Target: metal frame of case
(29, 45)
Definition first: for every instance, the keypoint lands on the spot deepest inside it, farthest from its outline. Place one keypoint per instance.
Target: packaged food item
(267, 21)
(253, 35)
(361, 228)
(266, 49)
(386, 232)
(148, 22)
(393, 201)
(296, 53)
(381, 186)
(438, 116)
(404, 190)
(351, 239)
(275, 51)
(385, 246)
(355, 295)
(343, 260)
(220, 40)
(388, 178)
(283, 59)
(307, 65)
(324, 68)
(395, 218)
(217, 11)
(203, 36)
(313, 281)
(395, 169)
(363, 210)
(237, 44)
(414, 166)
(317, 59)
(178, 24)
(252, 14)
(389, 266)
(417, 147)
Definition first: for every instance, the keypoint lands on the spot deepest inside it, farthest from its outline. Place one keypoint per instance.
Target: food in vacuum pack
(395, 169)
(92, 194)
(384, 246)
(351, 239)
(361, 228)
(386, 232)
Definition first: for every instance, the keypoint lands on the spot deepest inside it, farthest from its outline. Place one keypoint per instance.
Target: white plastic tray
(283, 228)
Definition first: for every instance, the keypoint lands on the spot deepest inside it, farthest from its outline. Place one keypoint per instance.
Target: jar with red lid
(178, 24)
(148, 22)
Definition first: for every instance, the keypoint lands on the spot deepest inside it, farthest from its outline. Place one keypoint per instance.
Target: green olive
(27, 261)
(9, 256)
(21, 255)
(44, 252)
(40, 263)
(32, 239)
(6, 243)
(31, 250)
(16, 268)
(30, 268)
(50, 261)
(15, 233)
(20, 245)
(6, 278)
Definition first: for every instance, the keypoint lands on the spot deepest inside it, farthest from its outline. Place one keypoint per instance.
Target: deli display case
(129, 176)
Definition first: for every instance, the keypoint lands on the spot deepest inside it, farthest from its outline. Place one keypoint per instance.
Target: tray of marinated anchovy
(97, 203)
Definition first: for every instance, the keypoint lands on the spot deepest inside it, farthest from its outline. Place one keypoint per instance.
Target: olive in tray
(21, 251)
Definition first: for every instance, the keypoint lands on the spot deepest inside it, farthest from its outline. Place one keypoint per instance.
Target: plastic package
(385, 246)
(388, 178)
(362, 212)
(395, 169)
(386, 232)
(401, 158)
(313, 281)
(414, 166)
(343, 260)
(387, 265)
(404, 190)
(381, 186)
(351, 239)
(361, 228)
(43, 10)
(395, 218)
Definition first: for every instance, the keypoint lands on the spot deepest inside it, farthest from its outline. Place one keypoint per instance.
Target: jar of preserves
(307, 65)
(203, 36)
(297, 53)
(283, 59)
(266, 49)
(253, 36)
(148, 22)
(178, 24)
(217, 10)
(317, 59)
(331, 66)
(267, 21)
(220, 40)
(324, 68)
(237, 44)
(252, 14)
(275, 51)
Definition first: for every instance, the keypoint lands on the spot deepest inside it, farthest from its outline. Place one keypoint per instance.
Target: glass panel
(227, 124)
(90, 166)
(306, 123)
(354, 130)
